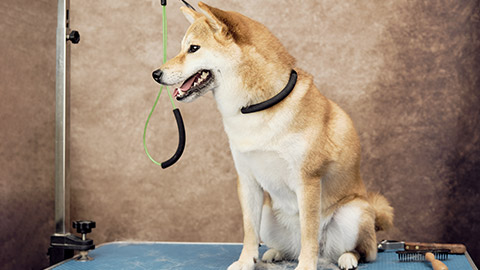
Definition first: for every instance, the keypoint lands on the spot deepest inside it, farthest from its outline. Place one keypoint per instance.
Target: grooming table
(202, 256)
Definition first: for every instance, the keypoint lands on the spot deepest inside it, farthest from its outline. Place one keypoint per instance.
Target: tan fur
(329, 174)
(310, 212)
(263, 50)
(250, 240)
(267, 200)
(383, 211)
(367, 242)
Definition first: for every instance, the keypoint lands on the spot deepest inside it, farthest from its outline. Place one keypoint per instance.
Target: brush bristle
(419, 255)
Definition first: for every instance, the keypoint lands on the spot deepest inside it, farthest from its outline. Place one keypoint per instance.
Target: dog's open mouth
(195, 83)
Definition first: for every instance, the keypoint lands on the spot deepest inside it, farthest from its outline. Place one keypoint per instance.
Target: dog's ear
(190, 14)
(216, 18)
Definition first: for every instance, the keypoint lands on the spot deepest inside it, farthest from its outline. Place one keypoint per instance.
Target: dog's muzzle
(157, 76)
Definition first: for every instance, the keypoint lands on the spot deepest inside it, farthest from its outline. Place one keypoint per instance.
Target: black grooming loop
(164, 3)
(187, 4)
(181, 141)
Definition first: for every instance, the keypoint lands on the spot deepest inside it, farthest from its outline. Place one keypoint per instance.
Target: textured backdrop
(27, 131)
(407, 72)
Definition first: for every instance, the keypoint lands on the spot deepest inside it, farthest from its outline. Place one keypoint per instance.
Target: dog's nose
(157, 75)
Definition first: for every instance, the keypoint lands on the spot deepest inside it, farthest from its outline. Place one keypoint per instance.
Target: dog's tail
(383, 211)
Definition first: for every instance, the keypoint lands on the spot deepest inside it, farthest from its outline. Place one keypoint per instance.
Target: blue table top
(200, 256)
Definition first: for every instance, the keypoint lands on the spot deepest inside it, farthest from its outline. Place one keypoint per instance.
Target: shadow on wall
(427, 102)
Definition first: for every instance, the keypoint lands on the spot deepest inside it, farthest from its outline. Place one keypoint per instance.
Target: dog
(298, 161)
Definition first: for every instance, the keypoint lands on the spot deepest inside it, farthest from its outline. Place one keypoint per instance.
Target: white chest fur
(264, 150)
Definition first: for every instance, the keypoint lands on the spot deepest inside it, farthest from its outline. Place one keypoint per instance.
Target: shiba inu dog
(298, 161)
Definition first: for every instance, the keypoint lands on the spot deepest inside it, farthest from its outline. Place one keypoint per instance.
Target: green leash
(176, 111)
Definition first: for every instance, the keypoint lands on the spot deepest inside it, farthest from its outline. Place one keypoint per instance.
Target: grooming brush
(433, 256)
(394, 245)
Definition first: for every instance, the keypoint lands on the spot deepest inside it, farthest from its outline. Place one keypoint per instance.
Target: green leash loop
(146, 125)
(164, 32)
(175, 110)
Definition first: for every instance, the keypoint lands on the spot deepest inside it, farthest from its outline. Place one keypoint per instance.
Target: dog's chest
(269, 152)
(275, 175)
(268, 168)
(275, 165)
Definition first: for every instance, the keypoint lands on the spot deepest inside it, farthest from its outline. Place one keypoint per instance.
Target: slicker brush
(433, 256)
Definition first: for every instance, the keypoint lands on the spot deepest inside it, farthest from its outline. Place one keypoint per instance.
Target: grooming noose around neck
(176, 112)
(274, 100)
(178, 117)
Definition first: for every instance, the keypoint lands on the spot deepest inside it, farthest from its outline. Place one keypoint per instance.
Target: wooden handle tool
(436, 264)
(454, 248)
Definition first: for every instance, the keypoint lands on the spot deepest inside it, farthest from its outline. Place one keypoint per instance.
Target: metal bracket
(390, 245)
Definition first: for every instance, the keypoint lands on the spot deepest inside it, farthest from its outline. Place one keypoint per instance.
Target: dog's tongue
(188, 83)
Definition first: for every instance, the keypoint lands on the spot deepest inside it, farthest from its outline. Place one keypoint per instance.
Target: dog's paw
(241, 265)
(347, 261)
(272, 255)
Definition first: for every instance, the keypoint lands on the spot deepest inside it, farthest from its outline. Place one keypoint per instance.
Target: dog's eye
(193, 48)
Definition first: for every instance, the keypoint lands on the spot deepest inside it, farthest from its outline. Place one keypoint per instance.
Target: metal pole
(62, 243)
(62, 200)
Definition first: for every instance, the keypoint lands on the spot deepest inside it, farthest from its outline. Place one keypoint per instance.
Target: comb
(433, 256)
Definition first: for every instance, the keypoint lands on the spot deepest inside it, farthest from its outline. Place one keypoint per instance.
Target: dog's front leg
(309, 204)
(251, 200)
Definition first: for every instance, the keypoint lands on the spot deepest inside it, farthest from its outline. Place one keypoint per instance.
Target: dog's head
(220, 47)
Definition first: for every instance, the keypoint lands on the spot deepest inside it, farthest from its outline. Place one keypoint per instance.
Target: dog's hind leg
(367, 239)
(350, 235)
(283, 243)
(272, 255)
(349, 260)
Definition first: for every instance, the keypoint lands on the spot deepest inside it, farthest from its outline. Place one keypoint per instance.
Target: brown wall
(27, 131)
(406, 71)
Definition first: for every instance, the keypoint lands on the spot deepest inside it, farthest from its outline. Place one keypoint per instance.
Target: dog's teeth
(204, 75)
(195, 84)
